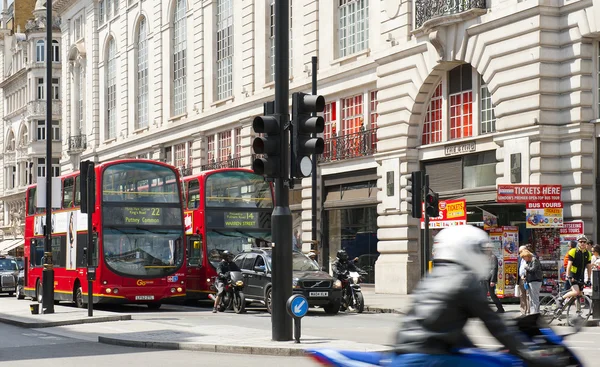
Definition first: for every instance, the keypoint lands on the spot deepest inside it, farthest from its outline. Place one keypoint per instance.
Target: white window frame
(41, 130)
(55, 130)
(224, 49)
(142, 75)
(179, 58)
(111, 90)
(271, 71)
(55, 51)
(55, 88)
(80, 100)
(353, 26)
(486, 108)
(101, 12)
(41, 89)
(41, 167)
(40, 51)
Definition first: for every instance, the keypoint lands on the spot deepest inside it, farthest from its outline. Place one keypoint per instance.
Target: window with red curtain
(432, 127)
(330, 117)
(460, 96)
(352, 114)
(210, 148)
(224, 145)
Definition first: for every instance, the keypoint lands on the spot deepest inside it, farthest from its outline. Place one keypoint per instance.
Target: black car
(9, 272)
(319, 288)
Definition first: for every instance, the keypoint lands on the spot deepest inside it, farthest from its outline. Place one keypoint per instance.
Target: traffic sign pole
(297, 307)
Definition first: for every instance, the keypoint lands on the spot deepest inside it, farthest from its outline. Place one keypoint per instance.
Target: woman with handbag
(533, 277)
(520, 289)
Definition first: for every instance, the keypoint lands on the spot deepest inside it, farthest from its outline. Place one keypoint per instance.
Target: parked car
(9, 272)
(319, 288)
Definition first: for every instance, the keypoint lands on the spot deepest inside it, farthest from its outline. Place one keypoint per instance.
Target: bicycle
(577, 307)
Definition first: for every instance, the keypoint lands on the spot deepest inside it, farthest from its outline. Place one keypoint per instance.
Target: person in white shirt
(595, 258)
(523, 301)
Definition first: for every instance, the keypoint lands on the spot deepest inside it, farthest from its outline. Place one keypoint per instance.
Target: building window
(225, 145)
(329, 115)
(238, 142)
(488, 117)
(111, 90)
(41, 167)
(272, 39)
(80, 100)
(353, 26)
(55, 131)
(101, 12)
(41, 130)
(479, 170)
(78, 26)
(432, 127)
(40, 51)
(55, 51)
(224, 49)
(352, 114)
(373, 115)
(461, 102)
(180, 155)
(40, 89)
(108, 9)
(142, 76)
(55, 88)
(210, 149)
(179, 58)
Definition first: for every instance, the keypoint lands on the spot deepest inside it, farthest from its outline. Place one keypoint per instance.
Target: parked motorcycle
(352, 296)
(545, 339)
(233, 295)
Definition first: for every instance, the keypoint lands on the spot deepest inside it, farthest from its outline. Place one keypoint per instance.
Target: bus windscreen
(238, 189)
(139, 182)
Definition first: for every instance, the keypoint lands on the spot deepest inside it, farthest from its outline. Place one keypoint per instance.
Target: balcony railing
(77, 143)
(185, 171)
(430, 9)
(227, 163)
(39, 107)
(357, 145)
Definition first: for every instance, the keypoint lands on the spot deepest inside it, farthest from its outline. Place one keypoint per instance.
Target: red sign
(571, 228)
(452, 213)
(528, 193)
(538, 205)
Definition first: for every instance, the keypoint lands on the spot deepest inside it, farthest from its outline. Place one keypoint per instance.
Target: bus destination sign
(241, 220)
(142, 216)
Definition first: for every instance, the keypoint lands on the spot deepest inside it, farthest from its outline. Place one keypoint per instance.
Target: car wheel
(332, 308)
(11, 294)
(269, 300)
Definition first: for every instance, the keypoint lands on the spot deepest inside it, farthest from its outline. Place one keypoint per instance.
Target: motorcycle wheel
(239, 302)
(225, 302)
(360, 302)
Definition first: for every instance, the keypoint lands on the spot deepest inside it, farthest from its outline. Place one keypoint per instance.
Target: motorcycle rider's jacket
(442, 304)
(224, 268)
(340, 267)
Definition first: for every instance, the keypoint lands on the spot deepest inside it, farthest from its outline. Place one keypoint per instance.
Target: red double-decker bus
(138, 230)
(225, 209)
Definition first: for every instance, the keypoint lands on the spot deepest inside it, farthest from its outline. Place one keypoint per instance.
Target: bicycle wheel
(580, 310)
(548, 307)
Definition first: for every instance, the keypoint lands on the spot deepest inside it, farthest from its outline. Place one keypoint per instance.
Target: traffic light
(303, 144)
(415, 193)
(432, 204)
(270, 144)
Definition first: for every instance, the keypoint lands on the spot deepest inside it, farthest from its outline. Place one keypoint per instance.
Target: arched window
(11, 141)
(24, 138)
(40, 51)
(142, 75)
(111, 90)
(460, 107)
(55, 51)
(179, 58)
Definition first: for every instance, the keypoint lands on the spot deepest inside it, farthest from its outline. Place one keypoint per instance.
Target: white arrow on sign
(298, 307)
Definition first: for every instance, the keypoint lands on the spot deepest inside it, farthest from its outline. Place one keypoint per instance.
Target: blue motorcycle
(548, 342)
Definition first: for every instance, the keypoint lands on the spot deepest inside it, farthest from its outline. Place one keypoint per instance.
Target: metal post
(91, 250)
(48, 272)
(314, 159)
(281, 322)
(425, 256)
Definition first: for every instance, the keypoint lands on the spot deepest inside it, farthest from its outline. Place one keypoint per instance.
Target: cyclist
(580, 260)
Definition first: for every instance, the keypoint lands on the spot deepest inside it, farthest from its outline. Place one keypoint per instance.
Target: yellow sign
(455, 210)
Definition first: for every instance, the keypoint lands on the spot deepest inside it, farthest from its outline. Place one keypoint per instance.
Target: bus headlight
(116, 291)
(172, 290)
(337, 284)
(108, 290)
(179, 289)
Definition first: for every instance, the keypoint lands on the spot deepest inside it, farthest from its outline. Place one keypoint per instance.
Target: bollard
(34, 308)
(297, 307)
(596, 294)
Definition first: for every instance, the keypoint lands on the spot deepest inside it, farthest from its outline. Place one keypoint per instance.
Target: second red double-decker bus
(226, 209)
(138, 226)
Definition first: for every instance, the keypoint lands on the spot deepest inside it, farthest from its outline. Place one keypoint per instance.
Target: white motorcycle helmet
(465, 245)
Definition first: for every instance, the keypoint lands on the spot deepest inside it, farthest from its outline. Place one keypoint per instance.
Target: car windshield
(8, 264)
(20, 263)
(234, 242)
(300, 262)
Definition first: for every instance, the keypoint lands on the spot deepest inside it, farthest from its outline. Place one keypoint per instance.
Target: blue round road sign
(297, 306)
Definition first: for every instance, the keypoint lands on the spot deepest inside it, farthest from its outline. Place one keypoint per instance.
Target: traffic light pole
(425, 256)
(48, 271)
(281, 222)
(314, 160)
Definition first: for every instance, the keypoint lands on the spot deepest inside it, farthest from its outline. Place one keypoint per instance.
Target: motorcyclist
(447, 298)
(223, 269)
(341, 266)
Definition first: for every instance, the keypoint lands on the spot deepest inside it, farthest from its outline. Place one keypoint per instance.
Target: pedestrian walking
(523, 301)
(533, 277)
(489, 284)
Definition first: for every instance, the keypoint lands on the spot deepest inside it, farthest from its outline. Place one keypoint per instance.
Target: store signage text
(572, 228)
(528, 193)
(452, 213)
(460, 148)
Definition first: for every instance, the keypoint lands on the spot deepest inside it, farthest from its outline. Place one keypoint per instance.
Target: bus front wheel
(78, 297)
(38, 291)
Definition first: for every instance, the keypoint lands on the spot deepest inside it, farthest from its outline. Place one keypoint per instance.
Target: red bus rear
(138, 226)
(225, 209)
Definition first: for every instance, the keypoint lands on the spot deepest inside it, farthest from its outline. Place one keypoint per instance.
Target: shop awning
(8, 245)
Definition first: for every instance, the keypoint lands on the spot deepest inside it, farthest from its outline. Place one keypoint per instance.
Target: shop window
(479, 170)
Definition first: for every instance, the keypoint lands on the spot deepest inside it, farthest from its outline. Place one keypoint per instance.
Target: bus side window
(77, 191)
(68, 185)
(193, 194)
(31, 201)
